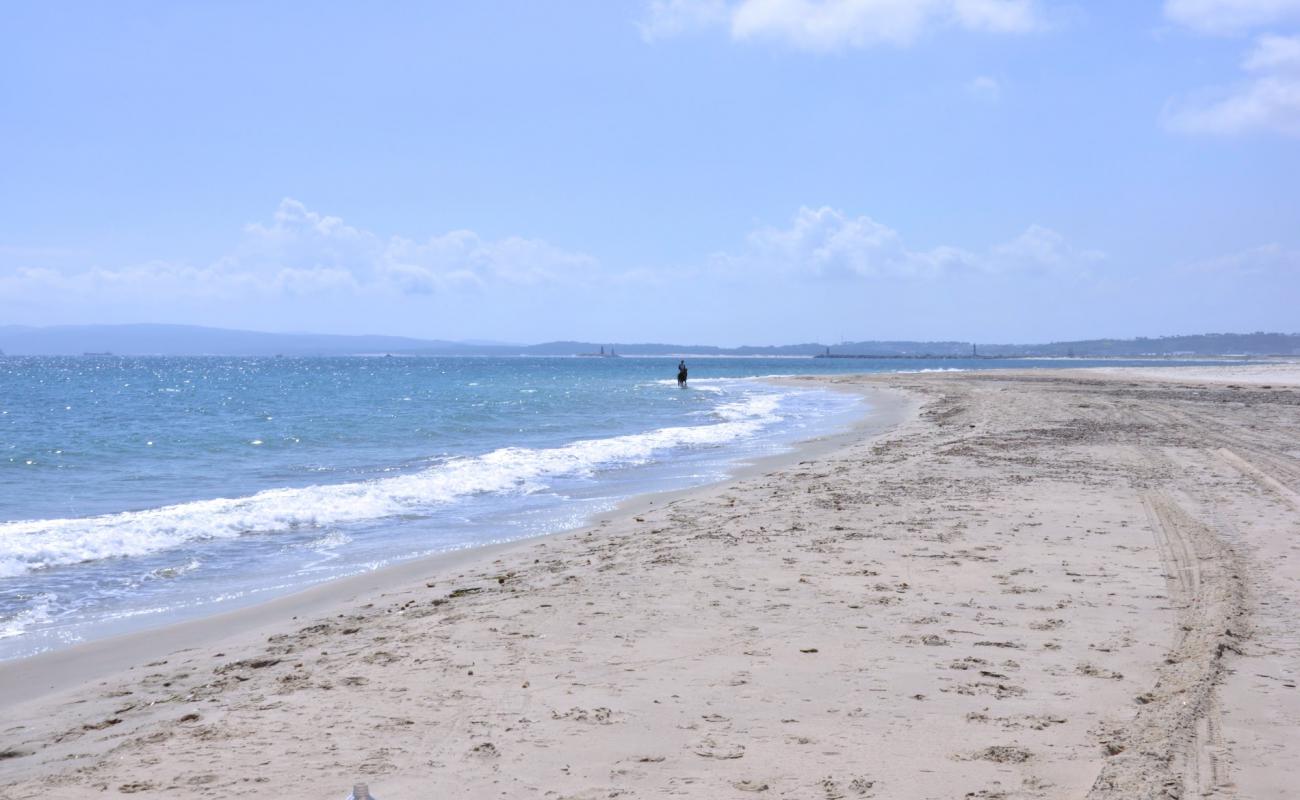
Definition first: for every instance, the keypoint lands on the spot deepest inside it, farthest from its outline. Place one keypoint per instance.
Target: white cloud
(305, 239)
(997, 16)
(1230, 16)
(1266, 260)
(827, 243)
(1041, 249)
(829, 25)
(985, 89)
(666, 18)
(1274, 53)
(302, 252)
(1269, 101)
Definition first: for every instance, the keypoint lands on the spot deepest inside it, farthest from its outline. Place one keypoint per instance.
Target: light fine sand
(1048, 584)
(1282, 373)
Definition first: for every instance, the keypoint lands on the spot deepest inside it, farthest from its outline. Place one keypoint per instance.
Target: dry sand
(1280, 373)
(1060, 584)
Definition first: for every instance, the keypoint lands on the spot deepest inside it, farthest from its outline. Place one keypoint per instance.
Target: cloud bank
(302, 252)
(830, 244)
(823, 267)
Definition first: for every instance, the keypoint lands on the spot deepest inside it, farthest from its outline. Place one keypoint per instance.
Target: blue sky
(725, 171)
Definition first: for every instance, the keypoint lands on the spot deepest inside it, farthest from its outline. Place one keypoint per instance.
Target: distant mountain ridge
(151, 339)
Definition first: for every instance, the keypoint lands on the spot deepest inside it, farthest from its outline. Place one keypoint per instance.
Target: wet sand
(1031, 584)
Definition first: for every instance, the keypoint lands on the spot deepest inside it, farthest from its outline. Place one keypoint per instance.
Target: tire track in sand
(1172, 748)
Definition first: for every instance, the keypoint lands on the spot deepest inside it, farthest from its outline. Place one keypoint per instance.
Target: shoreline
(26, 678)
(1036, 584)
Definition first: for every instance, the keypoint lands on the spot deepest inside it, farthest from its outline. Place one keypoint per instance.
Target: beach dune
(1003, 585)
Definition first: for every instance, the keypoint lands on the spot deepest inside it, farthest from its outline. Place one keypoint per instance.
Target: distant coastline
(151, 339)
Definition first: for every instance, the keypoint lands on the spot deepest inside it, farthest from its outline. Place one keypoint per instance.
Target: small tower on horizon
(974, 350)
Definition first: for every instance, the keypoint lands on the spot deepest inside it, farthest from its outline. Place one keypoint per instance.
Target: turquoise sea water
(138, 491)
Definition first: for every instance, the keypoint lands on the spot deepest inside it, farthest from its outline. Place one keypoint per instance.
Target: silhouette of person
(681, 372)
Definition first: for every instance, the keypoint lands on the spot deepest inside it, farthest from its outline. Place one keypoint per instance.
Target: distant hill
(1205, 344)
(195, 340)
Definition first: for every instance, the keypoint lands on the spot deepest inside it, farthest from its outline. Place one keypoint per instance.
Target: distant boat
(601, 354)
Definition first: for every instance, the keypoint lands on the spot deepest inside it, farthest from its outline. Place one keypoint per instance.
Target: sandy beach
(1047, 584)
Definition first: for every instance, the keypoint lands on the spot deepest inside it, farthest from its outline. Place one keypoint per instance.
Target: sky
(688, 171)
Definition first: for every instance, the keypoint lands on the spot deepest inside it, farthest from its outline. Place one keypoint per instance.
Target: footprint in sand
(710, 748)
(751, 786)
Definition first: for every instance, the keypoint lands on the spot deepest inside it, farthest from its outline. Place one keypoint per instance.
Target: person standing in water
(681, 372)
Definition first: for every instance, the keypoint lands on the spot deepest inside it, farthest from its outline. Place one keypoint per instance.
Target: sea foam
(29, 545)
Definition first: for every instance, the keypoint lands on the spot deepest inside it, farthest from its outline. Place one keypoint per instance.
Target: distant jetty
(918, 355)
(601, 354)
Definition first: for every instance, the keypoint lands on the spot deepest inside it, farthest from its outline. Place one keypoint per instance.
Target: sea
(141, 491)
